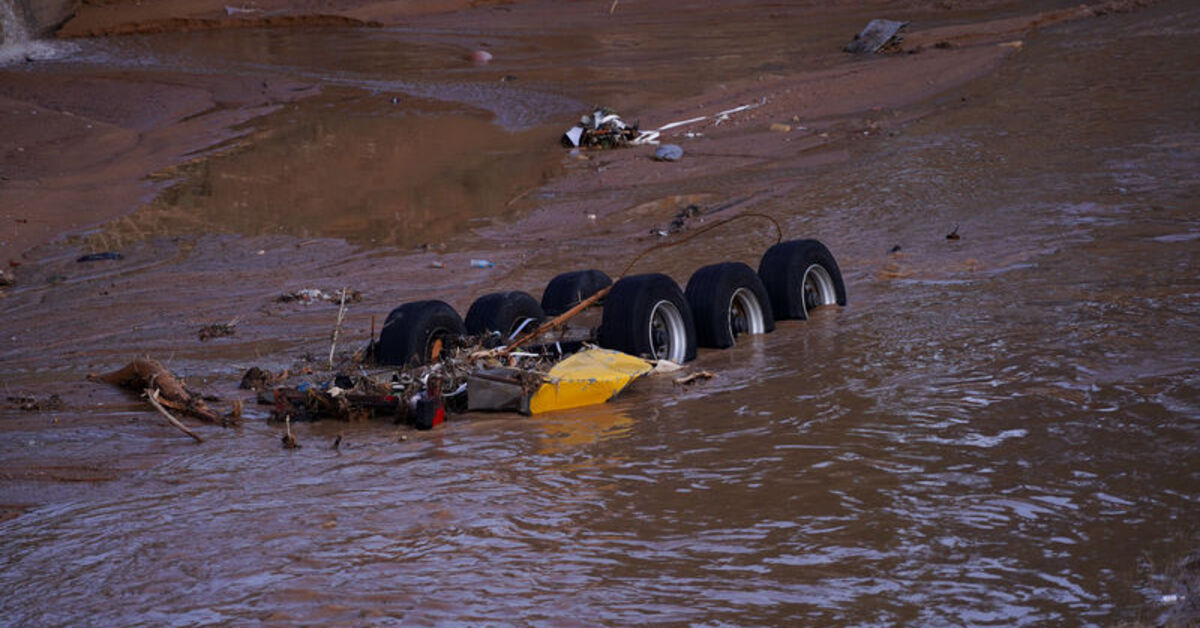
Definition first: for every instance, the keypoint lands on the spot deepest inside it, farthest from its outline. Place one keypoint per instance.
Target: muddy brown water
(997, 430)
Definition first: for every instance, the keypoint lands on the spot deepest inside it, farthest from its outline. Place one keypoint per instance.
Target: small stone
(668, 152)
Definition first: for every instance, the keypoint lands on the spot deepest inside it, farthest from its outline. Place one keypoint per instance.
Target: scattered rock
(668, 152)
(217, 330)
(259, 379)
(679, 223)
(30, 403)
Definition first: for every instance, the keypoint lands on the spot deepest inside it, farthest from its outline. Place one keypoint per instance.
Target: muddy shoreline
(147, 123)
(610, 203)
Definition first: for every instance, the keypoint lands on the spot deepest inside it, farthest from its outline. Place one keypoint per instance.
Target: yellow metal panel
(589, 377)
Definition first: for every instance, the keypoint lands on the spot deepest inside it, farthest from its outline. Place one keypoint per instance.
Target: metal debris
(602, 128)
(878, 36)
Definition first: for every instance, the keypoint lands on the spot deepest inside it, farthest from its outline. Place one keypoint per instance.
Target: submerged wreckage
(581, 344)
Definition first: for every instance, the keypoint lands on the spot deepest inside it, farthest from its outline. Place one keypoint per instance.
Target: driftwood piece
(144, 373)
(695, 377)
(152, 395)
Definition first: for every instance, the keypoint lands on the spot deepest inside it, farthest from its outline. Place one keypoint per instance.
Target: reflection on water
(379, 173)
(1002, 432)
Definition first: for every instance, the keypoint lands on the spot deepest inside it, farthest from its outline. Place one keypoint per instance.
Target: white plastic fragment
(646, 137)
(666, 366)
(681, 123)
(573, 134)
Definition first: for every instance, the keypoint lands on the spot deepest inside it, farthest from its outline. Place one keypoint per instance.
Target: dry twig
(152, 395)
(336, 327)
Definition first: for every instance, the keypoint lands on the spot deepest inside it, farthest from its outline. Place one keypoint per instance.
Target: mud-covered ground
(997, 429)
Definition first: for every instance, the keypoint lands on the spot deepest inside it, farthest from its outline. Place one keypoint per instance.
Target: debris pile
(150, 376)
(217, 330)
(30, 403)
(602, 128)
(313, 295)
(415, 395)
(682, 220)
(878, 36)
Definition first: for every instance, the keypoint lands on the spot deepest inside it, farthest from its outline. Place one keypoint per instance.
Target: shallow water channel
(998, 430)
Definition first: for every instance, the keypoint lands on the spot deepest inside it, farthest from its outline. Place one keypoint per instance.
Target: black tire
(647, 315)
(800, 275)
(413, 332)
(728, 300)
(503, 312)
(569, 289)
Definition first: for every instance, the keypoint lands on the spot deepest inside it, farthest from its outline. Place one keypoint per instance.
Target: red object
(434, 392)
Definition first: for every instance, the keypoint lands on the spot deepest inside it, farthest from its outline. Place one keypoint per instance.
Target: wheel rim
(817, 288)
(668, 336)
(745, 314)
(435, 344)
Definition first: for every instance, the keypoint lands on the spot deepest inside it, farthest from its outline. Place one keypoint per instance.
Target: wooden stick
(336, 327)
(152, 395)
(144, 374)
(557, 320)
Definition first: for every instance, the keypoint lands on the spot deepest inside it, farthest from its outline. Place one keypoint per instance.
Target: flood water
(997, 430)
